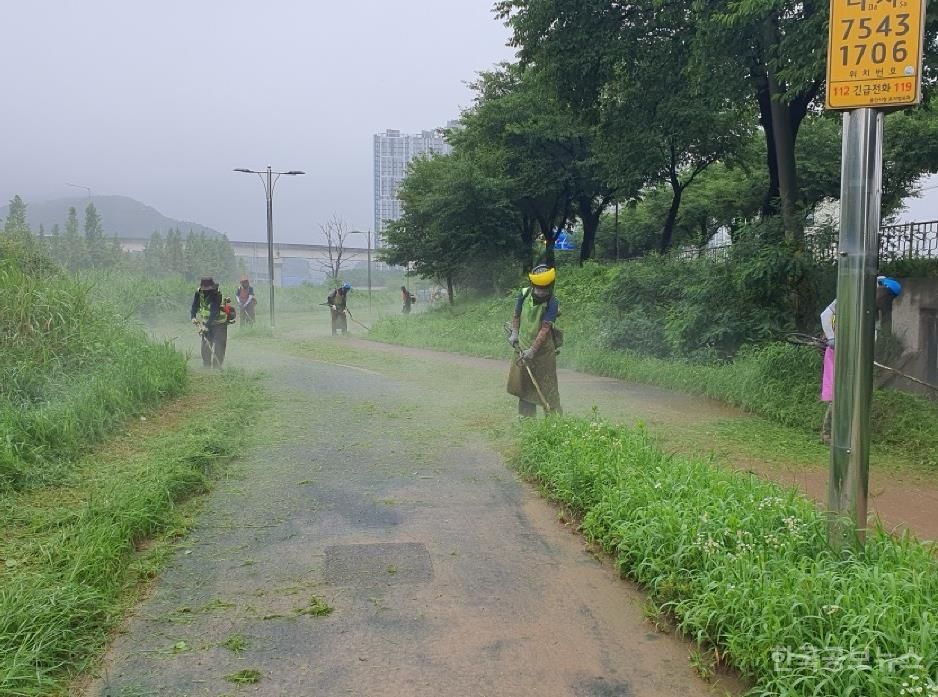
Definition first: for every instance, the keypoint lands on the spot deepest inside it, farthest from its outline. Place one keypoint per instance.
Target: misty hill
(122, 216)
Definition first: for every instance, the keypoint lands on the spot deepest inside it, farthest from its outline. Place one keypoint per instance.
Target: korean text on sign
(874, 55)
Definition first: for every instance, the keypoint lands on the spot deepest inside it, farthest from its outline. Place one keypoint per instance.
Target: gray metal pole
(617, 231)
(369, 274)
(270, 241)
(861, 192)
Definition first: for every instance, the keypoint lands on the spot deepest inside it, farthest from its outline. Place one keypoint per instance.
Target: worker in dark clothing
(338, 306)
(212, 321)
(408, 298)
(535, 338)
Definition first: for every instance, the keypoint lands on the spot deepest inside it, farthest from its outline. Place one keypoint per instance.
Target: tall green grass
(72, 370)
(777, 381)
(743, 566)
(70, 550)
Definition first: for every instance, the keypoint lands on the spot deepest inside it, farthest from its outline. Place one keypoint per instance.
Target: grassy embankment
(778, 381)
(74, 511)
(743, 566)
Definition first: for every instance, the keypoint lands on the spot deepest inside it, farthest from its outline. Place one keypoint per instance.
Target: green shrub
(743, 565)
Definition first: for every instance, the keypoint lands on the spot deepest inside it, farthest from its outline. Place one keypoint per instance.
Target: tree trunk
(667, 232)
(549, 233)
(770, 199)
(449, 288)
(526, 228)
(784, 137)
(590, 219)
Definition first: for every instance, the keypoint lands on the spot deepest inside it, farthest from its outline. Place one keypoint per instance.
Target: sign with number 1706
(874, 54)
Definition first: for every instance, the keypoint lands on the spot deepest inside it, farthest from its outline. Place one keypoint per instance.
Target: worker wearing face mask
(533, 375)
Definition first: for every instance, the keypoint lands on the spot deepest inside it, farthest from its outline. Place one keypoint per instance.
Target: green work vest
(531, 317)
(205, 311)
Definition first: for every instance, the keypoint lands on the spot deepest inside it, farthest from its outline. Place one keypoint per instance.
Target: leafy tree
(517, 136)
(770, 53)
(15, 225)
(95, 244)
(73, 250)
(632, 77)
(154, 254)
(174, 254)
(452, 227)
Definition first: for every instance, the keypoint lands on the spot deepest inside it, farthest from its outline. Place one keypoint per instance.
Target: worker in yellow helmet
(533, 375)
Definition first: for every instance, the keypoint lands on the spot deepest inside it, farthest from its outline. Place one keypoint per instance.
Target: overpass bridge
(294, 263)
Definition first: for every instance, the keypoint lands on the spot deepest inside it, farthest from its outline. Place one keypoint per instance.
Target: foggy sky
(160, 99)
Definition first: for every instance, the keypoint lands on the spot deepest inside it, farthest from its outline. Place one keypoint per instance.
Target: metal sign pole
(861, 191)
(874, 62)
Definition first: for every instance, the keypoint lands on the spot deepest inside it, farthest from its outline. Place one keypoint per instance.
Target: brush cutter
(349, 313)
(520, 361)
(814, 342)
(203, 333)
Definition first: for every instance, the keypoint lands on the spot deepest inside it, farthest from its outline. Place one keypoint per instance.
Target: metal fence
(902, 241)
(909, 241)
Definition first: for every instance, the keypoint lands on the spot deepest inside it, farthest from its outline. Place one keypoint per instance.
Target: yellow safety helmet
(543, 275)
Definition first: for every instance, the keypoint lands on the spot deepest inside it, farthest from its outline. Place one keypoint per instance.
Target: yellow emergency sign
(874, 53)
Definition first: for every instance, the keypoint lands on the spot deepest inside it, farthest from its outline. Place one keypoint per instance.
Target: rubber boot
(527, 410)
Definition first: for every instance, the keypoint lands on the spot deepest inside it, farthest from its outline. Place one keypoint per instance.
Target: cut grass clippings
(73, 546)
(743, 566)
(317, 607)
(248, 676)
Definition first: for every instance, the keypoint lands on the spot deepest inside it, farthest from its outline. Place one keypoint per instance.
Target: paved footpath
(379, 492)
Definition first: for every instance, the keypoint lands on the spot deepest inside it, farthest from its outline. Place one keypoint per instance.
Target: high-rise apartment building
(393, 152)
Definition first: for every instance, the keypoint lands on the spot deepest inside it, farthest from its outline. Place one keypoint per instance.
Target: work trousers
(214, 343)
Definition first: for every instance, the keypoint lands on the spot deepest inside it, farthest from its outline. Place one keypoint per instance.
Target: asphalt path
(377, 486)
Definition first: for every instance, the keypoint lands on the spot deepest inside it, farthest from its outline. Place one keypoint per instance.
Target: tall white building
(393, 152)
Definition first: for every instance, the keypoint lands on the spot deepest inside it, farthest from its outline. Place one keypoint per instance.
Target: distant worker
(408, 298)
(533, 374)
(887, 289)
(212, 321)
(338, 306)
(246, 301)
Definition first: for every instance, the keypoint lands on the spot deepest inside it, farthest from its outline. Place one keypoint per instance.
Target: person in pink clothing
(828, 318)
(886, 290)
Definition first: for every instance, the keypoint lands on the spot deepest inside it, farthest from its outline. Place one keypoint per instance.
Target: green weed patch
(743, 565)
(69, 553)
(72, 372)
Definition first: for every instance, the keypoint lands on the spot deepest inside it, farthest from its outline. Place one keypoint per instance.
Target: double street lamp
(269, 180)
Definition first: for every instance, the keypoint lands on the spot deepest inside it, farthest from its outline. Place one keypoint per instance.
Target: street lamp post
(270, 181)
(81, 186)
(368, 232)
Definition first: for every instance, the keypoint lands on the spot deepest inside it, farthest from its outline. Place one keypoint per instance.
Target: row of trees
(85, 245)
(690, 116)
(191, 257)
(75, 246)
